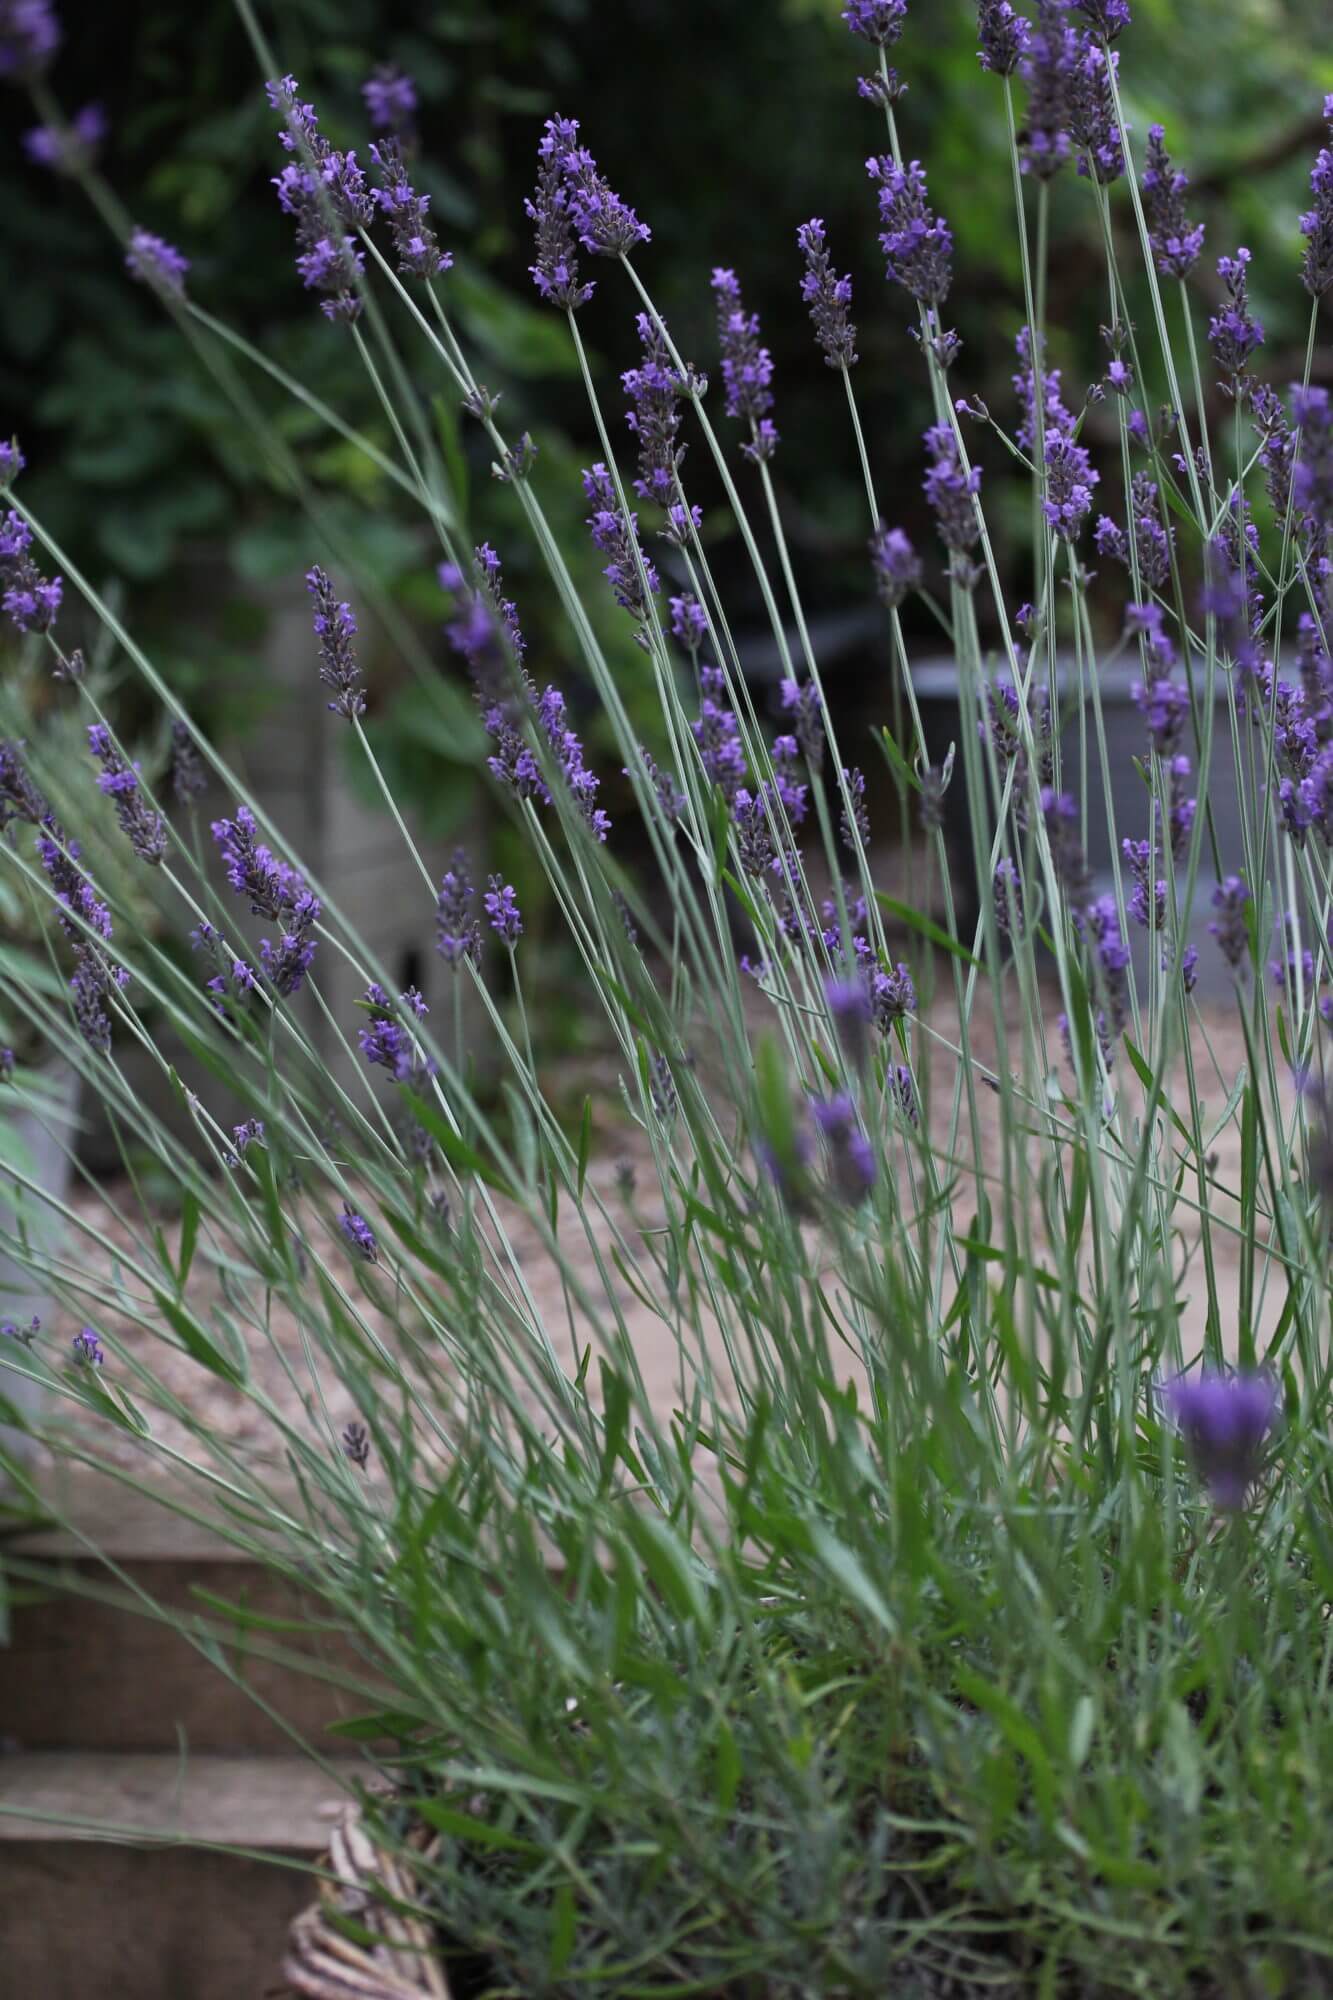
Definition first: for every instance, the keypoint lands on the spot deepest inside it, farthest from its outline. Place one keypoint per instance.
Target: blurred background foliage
(727, 124)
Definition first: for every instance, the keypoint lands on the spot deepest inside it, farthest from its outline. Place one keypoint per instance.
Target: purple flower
(1062, 830)
(717, 734)
(855, 819)
(1176, 241)
(629, 572)
(390, 99)
(549, 208)
(852, 1165)
(1003, 36)
(689, 621)
(1229, 926)
(1108, 17)
(24, 1335)
(189, 780)
(457, 932)
(29, 599)
(335, 628)
(87, 1349)
(1147, 903)
(801, 701)
(243, 1136)
(143, 827)
(29, 37)
(1091, 113)
(1234, 333)
(670, 798)
(1312, 412)
(388, 1043)
(275, 890)
(605, 224)
(12, 462)
(6, 1065)
(848, 1002)
(877, 21)
(917, 244)
(1070, 478)
(1047, 67)
(67, 149)
(503, 912)
(747, 366)
(321, 189)
(154, 261)
(952, 493)
(656, 388)
(892, 993)
(419, 252)
(1225, 1421)
(358, 1235)
(356, 1438)
(1317, 222)
(827, 296)
(896, 564)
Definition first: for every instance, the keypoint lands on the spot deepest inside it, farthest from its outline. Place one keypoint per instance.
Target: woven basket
(322, 1964)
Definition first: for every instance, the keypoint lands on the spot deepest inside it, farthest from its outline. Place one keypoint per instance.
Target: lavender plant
(950, 1610)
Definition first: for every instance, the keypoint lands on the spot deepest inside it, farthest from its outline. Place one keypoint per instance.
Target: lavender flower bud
(1229, 927)
(1003, 36)
(852, 1165)
(1091, 113)
(848, 1002)
(689, 621)
(1234, 333)
(1225, 1421)
(68, 149)
(717, 734)
(29, 600)
(747, 366)
(876, 21)
(320, 189)
(155, 262)
(670, 798)
(419, 252)
(549, 208)
(655, 389)
(606, 225)
(144, 828)
(358, 1235)
(457, 932)
(12, 462)
(1108, 17)
(801, 701)
(855, 819)
(827, 296)
(502, 909)
(1007, 890)
(355, 1439)
(917, 244)
(335, 628)
(29, 37)
(87, 1348)
(1047, 67)
(631, 576)
(952, 493)
(896, 564)
(1317, 222)
(390, 100)
(1071, 866)
(1176, 242)
(24, 1335)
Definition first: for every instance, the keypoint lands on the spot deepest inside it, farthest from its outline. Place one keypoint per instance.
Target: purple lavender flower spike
(1176, 241)
(827, 296)
(605, 224)
(856, 823)
(1229, 926)
(68, 149)
(355, 1443)
(155, 262)
(243, 1136)
(800, 700)
(747, 366)
(852, 1164)
(276, 891)
(390, 100)
(670, 798)
(848, 1002)
(877, 21)
(1093, 125)
(24, 1335)
(1003, 35)
(1234, 333)
(631, 576)
(457, 932)
(656, 389)
(29, 37)
(689, 621)
(1225, 1421)
(1108, 17)
(335, 628)
(143, 827)
(87, 1348)
(952, 493)
(896, 564)
(1317, 222)
(717, 734)
(503, 911)
(358, 1235)
(1007, 888)
(29, 599)
(419, 252)
(1047, 68)
(917, 244)
(321, 189)
(1071, 865)
(12, 462)
(549, 208)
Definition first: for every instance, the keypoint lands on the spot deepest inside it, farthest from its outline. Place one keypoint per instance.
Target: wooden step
(88, 1666)
(147, 1916)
